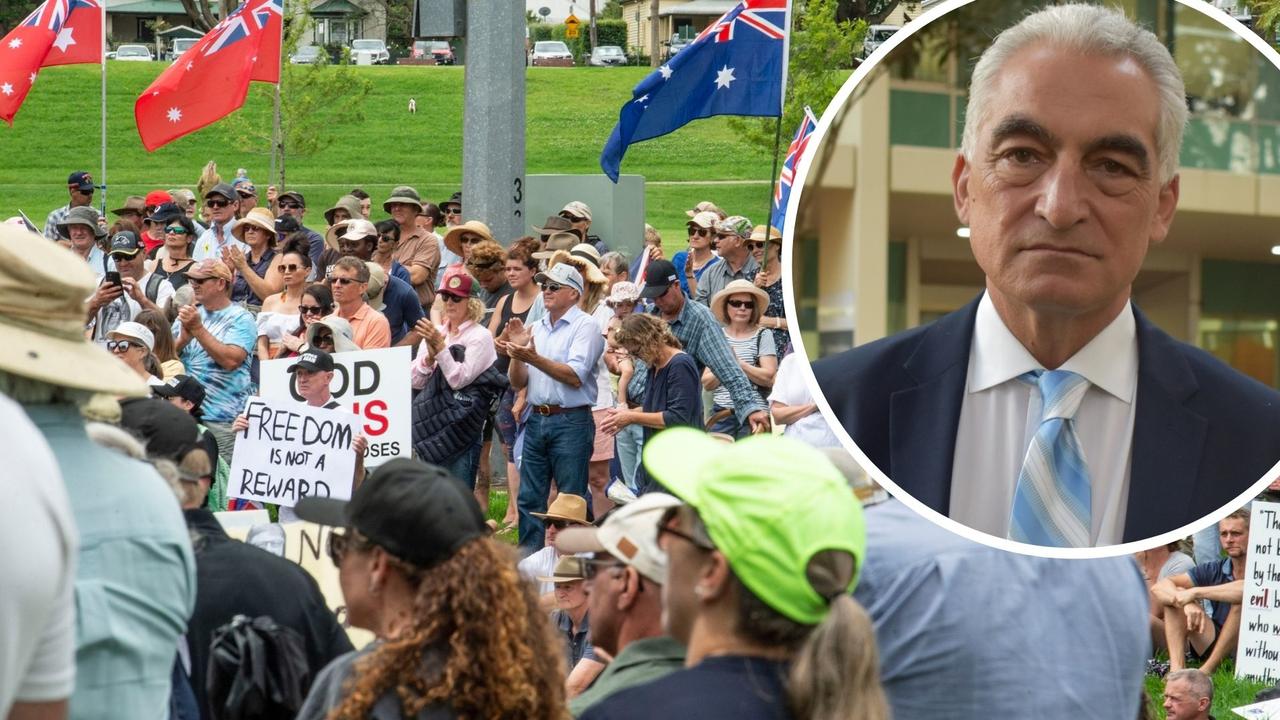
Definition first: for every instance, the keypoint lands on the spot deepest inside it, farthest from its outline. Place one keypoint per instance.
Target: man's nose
(1063, 200)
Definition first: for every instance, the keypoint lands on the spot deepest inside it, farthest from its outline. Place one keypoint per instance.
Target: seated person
(1188, 695)
(571, 622)
(1211, 638)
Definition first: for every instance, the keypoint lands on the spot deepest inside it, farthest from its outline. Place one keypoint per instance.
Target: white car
(607, 55)
(551, 53)
(376, 48)
(180, 46)
(308, 55)
(134, 53)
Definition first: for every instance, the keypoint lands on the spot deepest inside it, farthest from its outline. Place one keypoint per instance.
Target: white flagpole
(102, 53)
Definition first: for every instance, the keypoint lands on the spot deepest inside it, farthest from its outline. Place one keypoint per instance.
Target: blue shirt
(209, 244)
(970, 632)
(401, 307)
(575, 341)
(723, 687)
(225, 390)
(1216, 572)
(679, 260)
(400, 271)
(702, 337)
(135, 579)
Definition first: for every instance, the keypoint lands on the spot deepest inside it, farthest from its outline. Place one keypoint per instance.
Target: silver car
(375, 48)
(607, 55)
(134, 53)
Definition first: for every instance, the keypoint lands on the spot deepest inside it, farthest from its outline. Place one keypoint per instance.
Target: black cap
(225, 190)
(125, 242)
(295, 195)
(182, 386)
(286, 224)
(658, 276)
(165, 212)
(417, 512)
(313, 360)
(454, 199)
(166, 430)
(82, 180)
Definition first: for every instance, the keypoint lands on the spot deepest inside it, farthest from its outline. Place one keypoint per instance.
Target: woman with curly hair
(459, 632)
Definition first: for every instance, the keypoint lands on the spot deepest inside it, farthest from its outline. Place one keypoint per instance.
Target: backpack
(257, 670)
(447, 421)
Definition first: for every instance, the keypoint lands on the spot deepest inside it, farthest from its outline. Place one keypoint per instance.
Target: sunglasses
(311, 310)
(121, 345)
(216, 203)
(199, 281)
(324, 339)
(571, 218)
(591, 567)
(454, 298)
(699, 231)
(176, 230)
(558, 524)
(470, 239)
(342, 543)
(245, 195)
(756, 244)
(343, 281)
(451, 210)
(289, 206)
(552, 287)
(291, 267)
(741, 304)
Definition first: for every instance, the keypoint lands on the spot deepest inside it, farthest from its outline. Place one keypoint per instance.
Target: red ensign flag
(59, 32)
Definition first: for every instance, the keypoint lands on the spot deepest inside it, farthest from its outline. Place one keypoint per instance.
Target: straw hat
(453, 240)
(588, 269)
(258, 217)
(569, 568)
(737, 287)
(42, 290)
(558, 241)
(757, 234)
(568, 507)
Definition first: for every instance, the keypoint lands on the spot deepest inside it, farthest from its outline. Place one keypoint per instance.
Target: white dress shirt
(1000, 415)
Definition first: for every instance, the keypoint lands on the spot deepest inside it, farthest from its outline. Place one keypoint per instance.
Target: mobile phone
(113, 277)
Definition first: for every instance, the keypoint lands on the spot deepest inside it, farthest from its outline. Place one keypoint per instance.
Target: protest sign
(373, 384)
(290, 451)
(1258, 652)
(1265, 710)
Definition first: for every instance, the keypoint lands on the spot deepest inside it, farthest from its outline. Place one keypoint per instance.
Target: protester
(699, 334)
(135, 557)
(629, 375)
(417, 249)
(418, 570)
(573, 623)
(347, 208)
(187, 394)
(222, 203)
(366, 204)
(349, 278)
(651, 250)
(398, 303)
(736, 260)
(1212, 637)
(164, 350)
(1188, 695)
(80, 230)
(173, 258)
(292, 204)
(566, 510)
(692, 263)
(215, 340)
(1157, 564)
(556, 360)
(455, 360)
(758, 580)
(766, 248)
(80, 189)
(248, 193)
(115, 300)
(133, 210)
(316, 303)
(134, 344)
(384, 253)
(739, 307)
(331, 334)
(792, 405)
(579, 217)
(487, 264)
(280, 313)
(256, 273)
(625, 580)
(147, 290)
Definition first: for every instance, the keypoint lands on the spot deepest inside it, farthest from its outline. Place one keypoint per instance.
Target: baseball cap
(313, 360)
(125, 242)
(458, 284)
(704, 220)
(165, 212)
(209, 268)
(293, 195)
(223, 189)
(157, 197)
(735, 225)
(166, 430)
(359, 228)
(630, 534)
(417, 512)
(82, 180)
(562, 273)
(377, 285)
(578, 209)
(658, 276)
(135, 331)
(181, 386)
(773, 506)
(245, 186)
(705, 206)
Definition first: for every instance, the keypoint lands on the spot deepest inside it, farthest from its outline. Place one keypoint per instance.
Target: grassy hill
(569, 114)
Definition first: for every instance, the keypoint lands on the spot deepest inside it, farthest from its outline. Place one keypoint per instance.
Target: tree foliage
(822, 51)
(612, 10)
(872, 12)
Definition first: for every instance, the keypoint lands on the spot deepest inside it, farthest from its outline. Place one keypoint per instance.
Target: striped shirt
(696, 328)
(749, 350)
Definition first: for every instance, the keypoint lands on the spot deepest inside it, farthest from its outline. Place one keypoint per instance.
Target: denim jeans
(730, 425)
(627, 444)
(555, 446)
(463, 465)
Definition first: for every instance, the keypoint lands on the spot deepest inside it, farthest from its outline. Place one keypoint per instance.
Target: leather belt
(545, 410)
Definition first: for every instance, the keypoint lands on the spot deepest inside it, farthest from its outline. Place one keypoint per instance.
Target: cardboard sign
(290, 451)
(373, 384)
(1258, 652)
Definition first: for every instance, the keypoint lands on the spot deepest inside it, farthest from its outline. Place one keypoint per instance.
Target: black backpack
(257, 671)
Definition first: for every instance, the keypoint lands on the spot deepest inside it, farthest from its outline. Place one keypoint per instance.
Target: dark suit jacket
(1202, 435)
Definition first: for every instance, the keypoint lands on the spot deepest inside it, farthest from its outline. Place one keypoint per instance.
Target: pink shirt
(480, 354)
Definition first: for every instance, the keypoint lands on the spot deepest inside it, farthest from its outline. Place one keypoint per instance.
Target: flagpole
(777, 136)
(102, 59)
(276, 140)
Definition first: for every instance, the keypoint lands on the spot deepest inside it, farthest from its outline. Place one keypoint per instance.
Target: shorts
(603, 441)
(506, 422)
(1208, 650)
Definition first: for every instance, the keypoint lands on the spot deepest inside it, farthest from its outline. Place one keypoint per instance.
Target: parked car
(876, 36)
(376, 48)
(676, 44)
(441, 50)
(306, 55)
(134, 53)
(551, 53)
(607, 55)
(179, 46)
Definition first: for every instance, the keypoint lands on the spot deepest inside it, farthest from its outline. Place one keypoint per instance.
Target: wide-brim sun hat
(585, 268)
(719, 301)
(258, 217)
(776, 508)
(343, 334)
(404, 195)
(43, 287)
(82, 215)
(557, 241)
(453, 239)
(350, 203)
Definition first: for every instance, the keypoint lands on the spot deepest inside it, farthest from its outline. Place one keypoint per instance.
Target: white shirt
(790, 388)
(1000, 415)
(605, 398)
(540, 564)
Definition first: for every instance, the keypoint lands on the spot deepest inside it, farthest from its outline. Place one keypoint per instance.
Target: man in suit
(1050, 410)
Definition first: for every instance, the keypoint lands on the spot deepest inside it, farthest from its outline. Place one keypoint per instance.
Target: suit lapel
(923, 418)
(1168, 438)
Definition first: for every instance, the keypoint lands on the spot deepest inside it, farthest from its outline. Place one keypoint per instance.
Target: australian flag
(735, 67)
(782, 192)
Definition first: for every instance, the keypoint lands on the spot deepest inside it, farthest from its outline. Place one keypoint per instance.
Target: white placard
(1258, 652)
(291, 451)
(373, 384)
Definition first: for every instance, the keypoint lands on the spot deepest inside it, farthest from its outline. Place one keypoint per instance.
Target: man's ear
(631, 590)
(714, 578)
(960, 188)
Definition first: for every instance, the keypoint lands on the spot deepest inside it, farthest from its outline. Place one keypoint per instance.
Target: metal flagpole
(102, 59)
(277, 141)
(777, 135)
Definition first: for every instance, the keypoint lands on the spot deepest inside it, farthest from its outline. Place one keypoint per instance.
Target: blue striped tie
(1051, 505)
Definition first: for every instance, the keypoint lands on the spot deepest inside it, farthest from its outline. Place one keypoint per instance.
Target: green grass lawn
(1228, 692)
(569, 114)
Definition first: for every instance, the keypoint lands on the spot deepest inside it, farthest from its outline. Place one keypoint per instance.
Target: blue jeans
(628, 444)
(730, 425)
(555, 446)
(463, 466)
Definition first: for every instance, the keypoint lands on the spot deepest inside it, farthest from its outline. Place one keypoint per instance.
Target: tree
(1266, 14)
(202, 16)
(612, 10)
(872, 12)
(822, 50)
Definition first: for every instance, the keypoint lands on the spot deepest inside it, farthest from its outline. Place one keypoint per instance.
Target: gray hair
(1091, 30)
(1200, 684)
(615, 261)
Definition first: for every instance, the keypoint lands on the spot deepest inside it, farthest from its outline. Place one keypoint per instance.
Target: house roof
(181, 31)
(149, 7)
(338, 8)
(711, 8)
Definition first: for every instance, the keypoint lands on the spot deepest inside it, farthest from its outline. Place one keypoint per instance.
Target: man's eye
(1021, 156)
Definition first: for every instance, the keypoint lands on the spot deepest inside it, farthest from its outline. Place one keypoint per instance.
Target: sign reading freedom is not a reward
(1258, 652)
(373, 384)
(292, 451)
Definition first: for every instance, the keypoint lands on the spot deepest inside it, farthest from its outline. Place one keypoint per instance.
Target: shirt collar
(568, 317)
(1109, 361)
